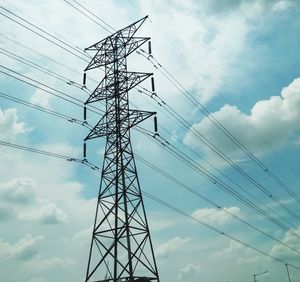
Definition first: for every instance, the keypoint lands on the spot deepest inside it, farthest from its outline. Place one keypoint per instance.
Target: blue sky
(237, 58)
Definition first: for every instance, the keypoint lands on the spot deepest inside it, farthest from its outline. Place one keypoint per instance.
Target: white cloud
(10, 127)
(207, 48)
(216, 216)
(290, 238)
(46, 214)
(21, 192)
(276, 119)
(39, 264)
(281, 6)
(251, 259)
(159, 222)
(219, 56)
(171, 246)
(61, 148)
(215, 6)
(233, 249)
(41, 98)
(38, 279)
(188, 271)
(18, 191)
(23, 250)
(83, 236)
(14, 194)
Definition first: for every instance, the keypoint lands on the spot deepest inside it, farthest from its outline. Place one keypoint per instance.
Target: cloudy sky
(237, 59)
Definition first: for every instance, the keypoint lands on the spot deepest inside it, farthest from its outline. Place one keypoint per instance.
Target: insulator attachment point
(155, 124)
(84, 150)
(152, 84)
(84, 78)
(149, 48)
(84, 113)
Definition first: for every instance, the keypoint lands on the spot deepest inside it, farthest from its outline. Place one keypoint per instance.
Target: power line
(49, 34)
(179, 211)
(39, 34)
(152, 197)
(83, 13)
(50, 31)
(43, 109)
(97, 17)
(185, 124)
(220, 94)
(213, 203)
(233, 139)
(40, 54)
(49, 154)
(225, 187)
(185, 187)
(161, 103)
(219, 125)
(41, 68)
(70, 119)
(75, 1)
(189, 160)
(44, 56)
(78, 102)
(40, 88)
(268, 235)
(241, 188)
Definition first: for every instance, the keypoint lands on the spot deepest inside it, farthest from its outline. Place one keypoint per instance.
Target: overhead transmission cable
(49, 154)
(41, 69)
(197, 75)
(161, 103)
(97, 17)
(75, 1)
(211, 202)
(152, 166)
(185, 187)
(70, 119)
(184, 158)
(219, 125)
(188, 95)
(43, 26)
(228, 189)
(185, 124)
(43, 36)
(203, 109)
(156, 199)
(61, 94)
(83, 13)
(282, 204)
(179, 211)
(43, 109)
(76, 49)
(44, 56)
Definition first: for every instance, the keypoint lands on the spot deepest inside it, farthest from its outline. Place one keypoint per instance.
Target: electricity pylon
(121, 247)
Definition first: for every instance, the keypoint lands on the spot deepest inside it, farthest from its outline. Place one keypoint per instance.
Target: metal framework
(121, 247)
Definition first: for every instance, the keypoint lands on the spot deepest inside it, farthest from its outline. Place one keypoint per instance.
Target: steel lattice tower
(121, 247)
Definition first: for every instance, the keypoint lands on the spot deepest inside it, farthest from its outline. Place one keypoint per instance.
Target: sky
(237, 59)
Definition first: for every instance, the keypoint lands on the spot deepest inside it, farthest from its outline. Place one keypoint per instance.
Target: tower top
(122, 39)
(126, 32)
